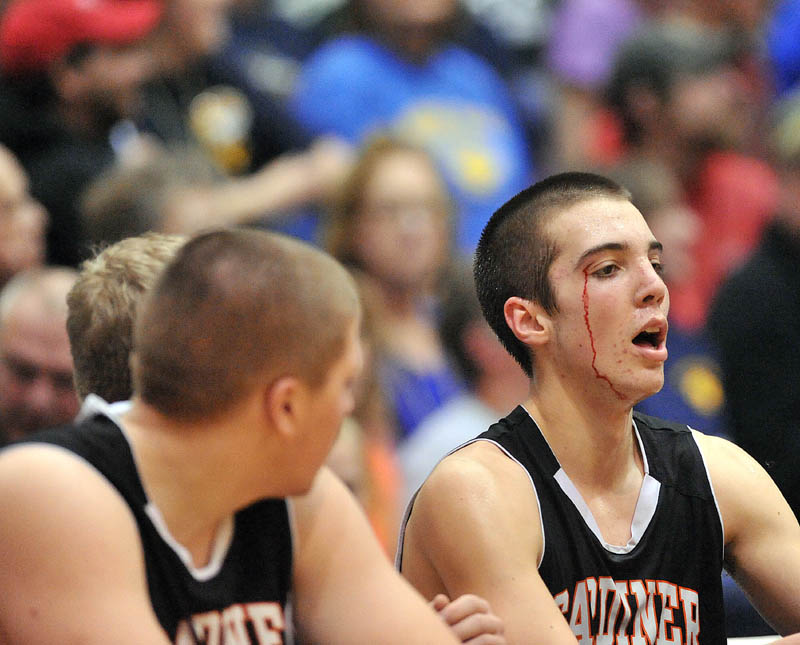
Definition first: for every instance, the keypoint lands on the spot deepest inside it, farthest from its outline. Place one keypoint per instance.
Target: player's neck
(197, 474)
(592, 440)
(501, 391)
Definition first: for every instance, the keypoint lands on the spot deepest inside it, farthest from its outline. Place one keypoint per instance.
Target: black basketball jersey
(242, 597)
(665, 584)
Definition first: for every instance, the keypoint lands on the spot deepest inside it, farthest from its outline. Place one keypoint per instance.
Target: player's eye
(658, 266)
(606, 271)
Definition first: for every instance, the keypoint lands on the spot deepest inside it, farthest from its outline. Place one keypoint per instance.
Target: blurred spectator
(71, 73)
(742, 23)
(506, 34)
(692, 390)
(198, 100)
(680, 101)
(366, 455)
(22, 220)
(268, 44)
(583, 43)
(205, 98)
(370, 472)
(740, 18)
(392, 222)
(182, 191)
(496, 384)
(36, 389)
(163, 191)
(754, 320)
(407, 75)
(347, 459)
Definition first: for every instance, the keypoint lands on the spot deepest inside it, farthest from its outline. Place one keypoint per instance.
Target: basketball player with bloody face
(576, 517)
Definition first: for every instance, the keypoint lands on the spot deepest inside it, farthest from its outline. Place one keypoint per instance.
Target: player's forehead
(595, 222)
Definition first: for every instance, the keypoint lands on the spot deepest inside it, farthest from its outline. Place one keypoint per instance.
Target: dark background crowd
(387, 132)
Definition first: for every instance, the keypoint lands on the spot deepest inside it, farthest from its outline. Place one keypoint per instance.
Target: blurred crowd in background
(387, 132)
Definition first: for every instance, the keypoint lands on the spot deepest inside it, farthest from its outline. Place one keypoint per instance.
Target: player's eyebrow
(608, 246)
(615, 246)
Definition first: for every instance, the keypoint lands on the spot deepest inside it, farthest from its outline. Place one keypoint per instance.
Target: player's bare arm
(475, 529)
(71, 569)
(762, 535)
(345, 589)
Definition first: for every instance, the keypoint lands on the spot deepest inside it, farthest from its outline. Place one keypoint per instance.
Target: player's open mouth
(652, 338)
(648, 339)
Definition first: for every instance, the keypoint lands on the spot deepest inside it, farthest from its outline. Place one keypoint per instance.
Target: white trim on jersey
(645, 509)
(535, 492)
(224, 538)
(711, 485)
(222, 542)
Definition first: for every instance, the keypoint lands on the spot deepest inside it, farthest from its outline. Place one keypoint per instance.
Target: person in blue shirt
(404, 74)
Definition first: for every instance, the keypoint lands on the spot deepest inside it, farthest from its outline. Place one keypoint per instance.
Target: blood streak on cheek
(597, 373)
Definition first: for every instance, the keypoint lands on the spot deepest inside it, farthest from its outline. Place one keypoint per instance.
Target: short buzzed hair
(237, 306)
(102, 307)
(515, 252)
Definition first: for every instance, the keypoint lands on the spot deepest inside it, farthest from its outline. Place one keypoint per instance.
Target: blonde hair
(102, 307)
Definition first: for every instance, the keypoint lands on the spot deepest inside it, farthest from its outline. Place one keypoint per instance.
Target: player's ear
(528, 321)
(282, 402)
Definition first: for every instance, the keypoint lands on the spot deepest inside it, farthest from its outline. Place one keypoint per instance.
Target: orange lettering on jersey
(604, 611)
(255, 623)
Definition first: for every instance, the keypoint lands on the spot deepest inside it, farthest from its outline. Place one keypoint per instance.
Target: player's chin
(640, 382)
(650, 384)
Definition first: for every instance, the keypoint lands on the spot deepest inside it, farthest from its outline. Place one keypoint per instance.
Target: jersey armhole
(398, 560)
(535, 493)
(711, 486)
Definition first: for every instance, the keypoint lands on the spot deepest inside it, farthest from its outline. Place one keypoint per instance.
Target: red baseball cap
(35, 33)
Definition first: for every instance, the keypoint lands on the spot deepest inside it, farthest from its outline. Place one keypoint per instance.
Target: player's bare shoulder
(476, 507)
(36, 479)
(727, 463)
(47, 468)
(472, 473)
(478, 485)
(55, 504)
(743, 489)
